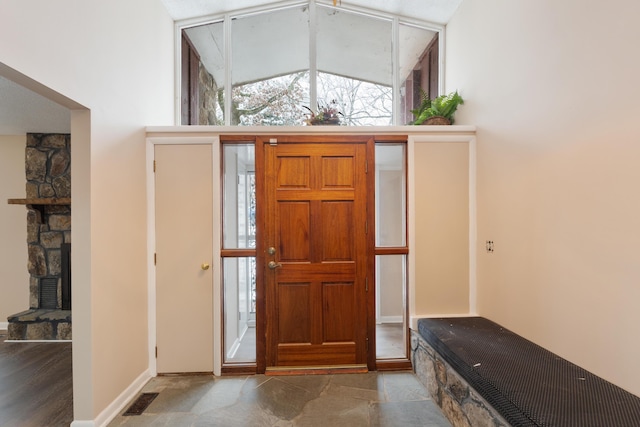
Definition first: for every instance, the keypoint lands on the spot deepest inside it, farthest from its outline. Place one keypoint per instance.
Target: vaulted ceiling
(436, 11)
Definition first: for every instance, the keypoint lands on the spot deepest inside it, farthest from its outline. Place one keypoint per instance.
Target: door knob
(205, 266)
(273, 265)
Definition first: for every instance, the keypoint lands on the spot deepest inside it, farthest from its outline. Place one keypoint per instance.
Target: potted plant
(327, 114)
(438, 111)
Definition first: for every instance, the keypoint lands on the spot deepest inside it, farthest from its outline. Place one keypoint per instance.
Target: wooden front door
(316, 251)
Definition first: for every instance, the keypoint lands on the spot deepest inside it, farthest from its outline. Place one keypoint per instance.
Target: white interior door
(184, 242)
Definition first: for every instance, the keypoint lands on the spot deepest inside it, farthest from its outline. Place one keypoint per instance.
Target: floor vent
(140, 404)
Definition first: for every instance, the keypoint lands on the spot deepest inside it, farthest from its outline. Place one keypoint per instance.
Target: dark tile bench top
(526, 384)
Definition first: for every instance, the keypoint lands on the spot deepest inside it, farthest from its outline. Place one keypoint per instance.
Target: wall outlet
(489, 246)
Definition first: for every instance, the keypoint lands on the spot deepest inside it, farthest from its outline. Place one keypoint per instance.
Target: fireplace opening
(48, 296)
(48, 293)
(65, 275)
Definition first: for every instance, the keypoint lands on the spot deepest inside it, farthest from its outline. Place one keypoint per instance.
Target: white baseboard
(4, 326)
(111, 411)
(389, 319)
(32, 341)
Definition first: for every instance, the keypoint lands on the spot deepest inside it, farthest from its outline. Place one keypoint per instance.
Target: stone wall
(48, 165)
(208, 98)
(461, 404)
(48, 174)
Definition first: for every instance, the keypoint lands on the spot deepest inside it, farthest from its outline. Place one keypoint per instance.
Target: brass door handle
(205, 266)
(273, 265)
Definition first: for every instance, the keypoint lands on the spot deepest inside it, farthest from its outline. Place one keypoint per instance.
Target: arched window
(283, 66)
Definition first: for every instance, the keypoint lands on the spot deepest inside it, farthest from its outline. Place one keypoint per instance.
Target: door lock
(271, 250)
(273, 265)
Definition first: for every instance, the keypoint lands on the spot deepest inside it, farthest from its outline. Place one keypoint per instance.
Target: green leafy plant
(443, 106)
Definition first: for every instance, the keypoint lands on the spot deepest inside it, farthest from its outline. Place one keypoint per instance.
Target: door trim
(415, 135)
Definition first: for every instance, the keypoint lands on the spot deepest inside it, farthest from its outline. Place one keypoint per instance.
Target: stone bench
(481, 374)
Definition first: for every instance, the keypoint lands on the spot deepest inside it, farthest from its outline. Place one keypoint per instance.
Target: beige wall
(442, 285)
(552, 87)
(14, 283)
(115, 58)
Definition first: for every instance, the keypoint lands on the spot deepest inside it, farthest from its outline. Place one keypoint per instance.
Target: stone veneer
(208, 93)
(461, 404)
(48, 175)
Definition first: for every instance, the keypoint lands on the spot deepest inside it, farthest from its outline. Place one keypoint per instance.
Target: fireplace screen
(48, 293)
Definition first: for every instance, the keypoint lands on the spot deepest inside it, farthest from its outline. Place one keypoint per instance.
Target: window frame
(227, 18)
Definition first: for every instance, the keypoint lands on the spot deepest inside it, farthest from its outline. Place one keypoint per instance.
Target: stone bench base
(461, 404)
(463, 358)
(40, 325)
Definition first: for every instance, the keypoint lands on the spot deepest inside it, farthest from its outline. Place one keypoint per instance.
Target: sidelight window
(238, 254)
(391, 251)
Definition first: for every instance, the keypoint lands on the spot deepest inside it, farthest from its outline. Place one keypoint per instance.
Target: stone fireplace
(48, 202)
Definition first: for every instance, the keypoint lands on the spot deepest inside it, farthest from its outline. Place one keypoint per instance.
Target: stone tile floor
(372, 399)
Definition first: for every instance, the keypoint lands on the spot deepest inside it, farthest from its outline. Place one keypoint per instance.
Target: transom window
(274, 67)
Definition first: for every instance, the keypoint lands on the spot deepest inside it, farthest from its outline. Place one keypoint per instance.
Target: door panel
(316, 220)
(184, 290)
(339, 310)
(294, 231)
(336, 231)
(293, 322)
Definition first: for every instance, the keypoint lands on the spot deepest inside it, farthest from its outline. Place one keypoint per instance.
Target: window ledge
(303, 130)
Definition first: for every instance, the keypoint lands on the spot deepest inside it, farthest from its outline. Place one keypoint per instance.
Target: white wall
(115, 58)
(553, 88)
(14, 282)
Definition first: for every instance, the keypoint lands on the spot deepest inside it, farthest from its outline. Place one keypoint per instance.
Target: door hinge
(366, 284)
(154, 166)
(366, 227)
(155, 259)
(367, 343)
(366, 165)
(156, 352)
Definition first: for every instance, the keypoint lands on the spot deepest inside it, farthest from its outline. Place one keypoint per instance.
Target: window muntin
(269, 49)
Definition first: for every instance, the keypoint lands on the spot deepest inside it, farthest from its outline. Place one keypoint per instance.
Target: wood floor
(35, 384)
